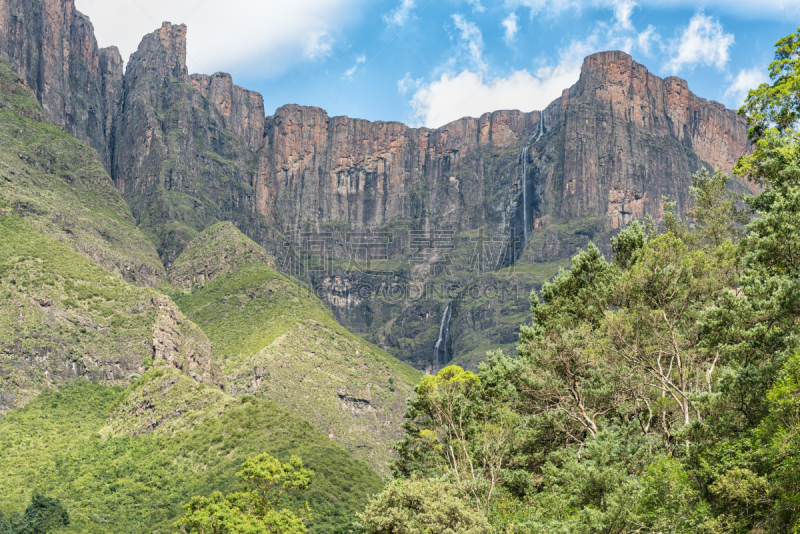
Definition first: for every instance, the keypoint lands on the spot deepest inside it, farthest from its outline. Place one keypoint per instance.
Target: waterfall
(524, 160)
(444, 335)
(542, 118)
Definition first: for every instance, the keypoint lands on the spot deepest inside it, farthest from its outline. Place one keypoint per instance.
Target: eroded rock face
(53, 47)
(182, 155)
(190, 151)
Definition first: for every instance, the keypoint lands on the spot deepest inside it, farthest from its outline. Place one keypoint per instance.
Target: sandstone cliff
(188, 151)
(52, 46)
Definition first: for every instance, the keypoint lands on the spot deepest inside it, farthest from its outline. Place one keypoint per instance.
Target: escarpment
(188, 151)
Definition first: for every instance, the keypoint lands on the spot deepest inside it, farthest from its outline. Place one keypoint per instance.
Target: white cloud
(471, 93)
(472, 39)
(647, 38)
(408, 83)
(511, 28)
(453, 94)
(476, 6)
(318, 44)
(229, 34)
(400, 16)
(349, 73)
(623, 9)
(702, 42)
(746, 79)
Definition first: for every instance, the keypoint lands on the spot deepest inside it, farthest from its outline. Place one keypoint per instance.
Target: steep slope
(63, 317)
(178, 160)
(191, 150)
(278, 341)
(62, 190)
(52, 46)
(96, 448)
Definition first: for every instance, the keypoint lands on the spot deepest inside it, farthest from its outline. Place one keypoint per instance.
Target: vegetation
(64, 444)
(256, 510)
(272, 334)
(42, 515)
(59, 185)
(658, 392)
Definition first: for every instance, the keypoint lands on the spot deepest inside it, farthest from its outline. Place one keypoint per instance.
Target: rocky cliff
(52, 46)
(525, 190)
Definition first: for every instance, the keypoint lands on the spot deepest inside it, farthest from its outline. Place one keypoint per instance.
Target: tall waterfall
(542, 125)
(524, 160)
(444, 335)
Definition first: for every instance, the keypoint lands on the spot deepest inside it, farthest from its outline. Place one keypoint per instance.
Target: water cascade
(444, 335)
(524, 161)
(542, 118)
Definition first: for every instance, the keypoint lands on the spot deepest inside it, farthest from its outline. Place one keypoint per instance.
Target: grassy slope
(62, 316)
(282, 343)
(63, 444)
(58, 184)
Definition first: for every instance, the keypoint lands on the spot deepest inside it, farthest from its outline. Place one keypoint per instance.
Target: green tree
(421, 506)
(44, 514)
(257, 510)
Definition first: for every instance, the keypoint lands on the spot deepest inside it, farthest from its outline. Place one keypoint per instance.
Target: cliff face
(190, 151)
(184, 146)
(52, 46)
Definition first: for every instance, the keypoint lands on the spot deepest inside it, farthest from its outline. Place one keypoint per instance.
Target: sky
(429, 62)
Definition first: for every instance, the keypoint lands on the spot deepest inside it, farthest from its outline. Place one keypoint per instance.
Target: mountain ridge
(191, 150)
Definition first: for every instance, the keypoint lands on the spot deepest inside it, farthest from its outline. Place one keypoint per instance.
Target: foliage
(259, 319)
(644, 396)
(420, 506)
(257, 509)
(44, 514)
(62, 444)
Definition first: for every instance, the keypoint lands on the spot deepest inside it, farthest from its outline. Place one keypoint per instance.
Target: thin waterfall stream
(444, 335)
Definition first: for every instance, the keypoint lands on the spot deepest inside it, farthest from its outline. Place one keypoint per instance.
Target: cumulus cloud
(510, 26)
(475, 90)
(744, 81)
(228, 34)
(702, 42)
(400, 15)
(471, 93)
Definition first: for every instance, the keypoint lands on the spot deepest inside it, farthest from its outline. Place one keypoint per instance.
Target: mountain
(188, 151)
(277, 340)
(68, 243)
(70, 250)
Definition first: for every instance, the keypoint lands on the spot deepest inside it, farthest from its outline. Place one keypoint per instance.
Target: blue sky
(426, 62)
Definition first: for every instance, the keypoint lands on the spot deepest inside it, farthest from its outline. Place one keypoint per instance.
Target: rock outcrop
(188, 151)
(52, 46)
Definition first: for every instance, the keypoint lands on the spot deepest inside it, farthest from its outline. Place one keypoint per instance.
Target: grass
(278, 341)
(60, 445)
(59, 185)
(62, 315)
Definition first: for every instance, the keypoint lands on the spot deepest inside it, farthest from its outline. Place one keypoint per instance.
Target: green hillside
(279, 342)
(62, 316)
(74, 443)
(59, 185)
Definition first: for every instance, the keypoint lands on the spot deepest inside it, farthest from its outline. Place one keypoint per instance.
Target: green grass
(59, 185)
(62, 315)
(112, 482)
(278, 341)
